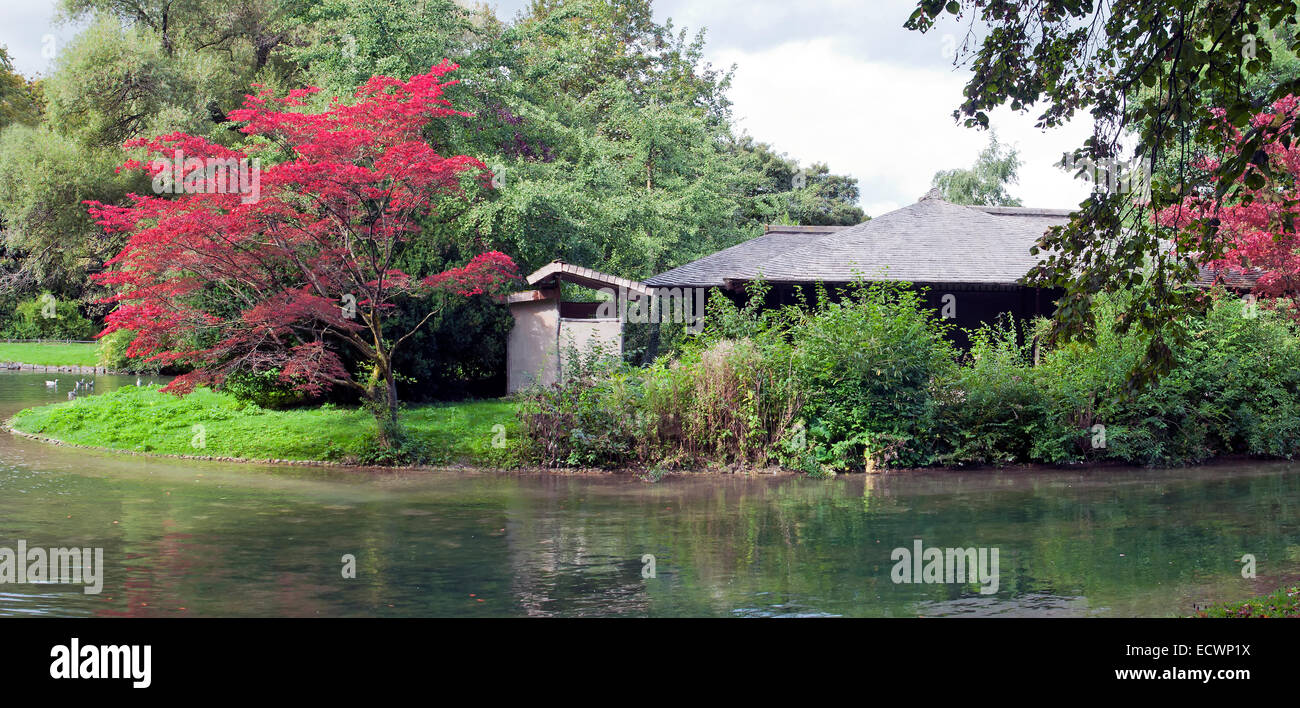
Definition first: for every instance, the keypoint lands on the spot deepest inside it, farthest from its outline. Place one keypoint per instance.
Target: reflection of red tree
(150, 588)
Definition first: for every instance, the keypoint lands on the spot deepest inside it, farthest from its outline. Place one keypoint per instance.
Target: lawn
(50, 354)
(216, 424)
(1283, 603)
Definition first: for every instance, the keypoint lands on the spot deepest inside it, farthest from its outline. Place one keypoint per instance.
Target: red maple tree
(1256, 226)
(291, 265)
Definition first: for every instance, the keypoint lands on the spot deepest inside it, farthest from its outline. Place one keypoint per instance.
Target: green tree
(779, 190)
(46, 228)
(1141, 70)
(985, 182)
(19, 98)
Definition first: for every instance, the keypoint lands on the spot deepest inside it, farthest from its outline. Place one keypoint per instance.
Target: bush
(869, 363)
(1234, 388)
(722, 402)
(991, 410)
(265, 389)
(870, 381)
(112, 354)
(45, 317)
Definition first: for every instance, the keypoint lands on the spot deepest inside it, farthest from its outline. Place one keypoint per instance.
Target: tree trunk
(382, 392)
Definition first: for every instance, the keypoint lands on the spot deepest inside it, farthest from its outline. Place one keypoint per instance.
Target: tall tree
(284, 275)
(19, 98)
(778, 190)
(985, 182)
(1065, 57)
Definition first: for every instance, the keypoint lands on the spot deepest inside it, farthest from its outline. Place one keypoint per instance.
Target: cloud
(834, 81)
(889, 125)
(32, 38)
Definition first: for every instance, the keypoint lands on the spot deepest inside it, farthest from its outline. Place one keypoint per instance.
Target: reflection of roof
(931, 241)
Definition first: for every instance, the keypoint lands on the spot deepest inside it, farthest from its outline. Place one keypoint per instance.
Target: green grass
(145, 420)
(1283, 603)
(50, 354)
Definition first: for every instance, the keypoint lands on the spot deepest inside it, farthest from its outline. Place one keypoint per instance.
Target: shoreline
(56, 369)
(526, 469)
(631, 473)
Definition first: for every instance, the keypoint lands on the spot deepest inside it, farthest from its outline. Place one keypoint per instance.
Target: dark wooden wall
(975, 305)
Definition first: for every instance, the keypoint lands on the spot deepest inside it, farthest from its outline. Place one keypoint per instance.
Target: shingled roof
(740, 262)
(931, 241)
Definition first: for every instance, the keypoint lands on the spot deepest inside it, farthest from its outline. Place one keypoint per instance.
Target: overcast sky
(835, 81)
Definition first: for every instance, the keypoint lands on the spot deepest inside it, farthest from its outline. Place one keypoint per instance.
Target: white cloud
(32, 38)
(890, 126)
(835, 81)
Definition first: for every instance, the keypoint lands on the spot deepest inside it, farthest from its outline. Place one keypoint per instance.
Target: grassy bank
(1283, 603)
(50, 354)
(145, 420)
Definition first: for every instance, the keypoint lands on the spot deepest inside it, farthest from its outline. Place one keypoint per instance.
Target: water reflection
(185, 538)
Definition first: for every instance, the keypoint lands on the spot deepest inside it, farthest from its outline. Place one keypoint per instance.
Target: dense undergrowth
(871, 381)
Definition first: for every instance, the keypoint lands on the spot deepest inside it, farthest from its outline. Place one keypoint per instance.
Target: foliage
(723, 403)
(19, 98)
(265, 389)
(1285, 602)
(868, 381)
(459, 354)
(838, 388)
(609, 139)
(779, 191)
(286, 276)
(144, 419)
(1232, 390)
(991, 410)
(1141, 71)
(47, 228)
(986, 181)
(111, 354)
(869, 362)
(47, 317)
(1257, 228)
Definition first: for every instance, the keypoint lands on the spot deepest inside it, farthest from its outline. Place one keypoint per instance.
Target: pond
(209, 539)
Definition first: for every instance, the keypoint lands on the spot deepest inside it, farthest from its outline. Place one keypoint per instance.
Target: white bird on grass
(52, 384)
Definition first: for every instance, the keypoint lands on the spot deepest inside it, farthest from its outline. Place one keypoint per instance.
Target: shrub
(1234, 388)
(723, 401)
(265, 389)
(869, 363)
(112, 354)
(991, 409)
(870, 381)
(45, 317)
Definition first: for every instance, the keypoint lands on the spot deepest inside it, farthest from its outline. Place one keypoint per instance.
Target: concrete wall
(583, 334)
(531, 351)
